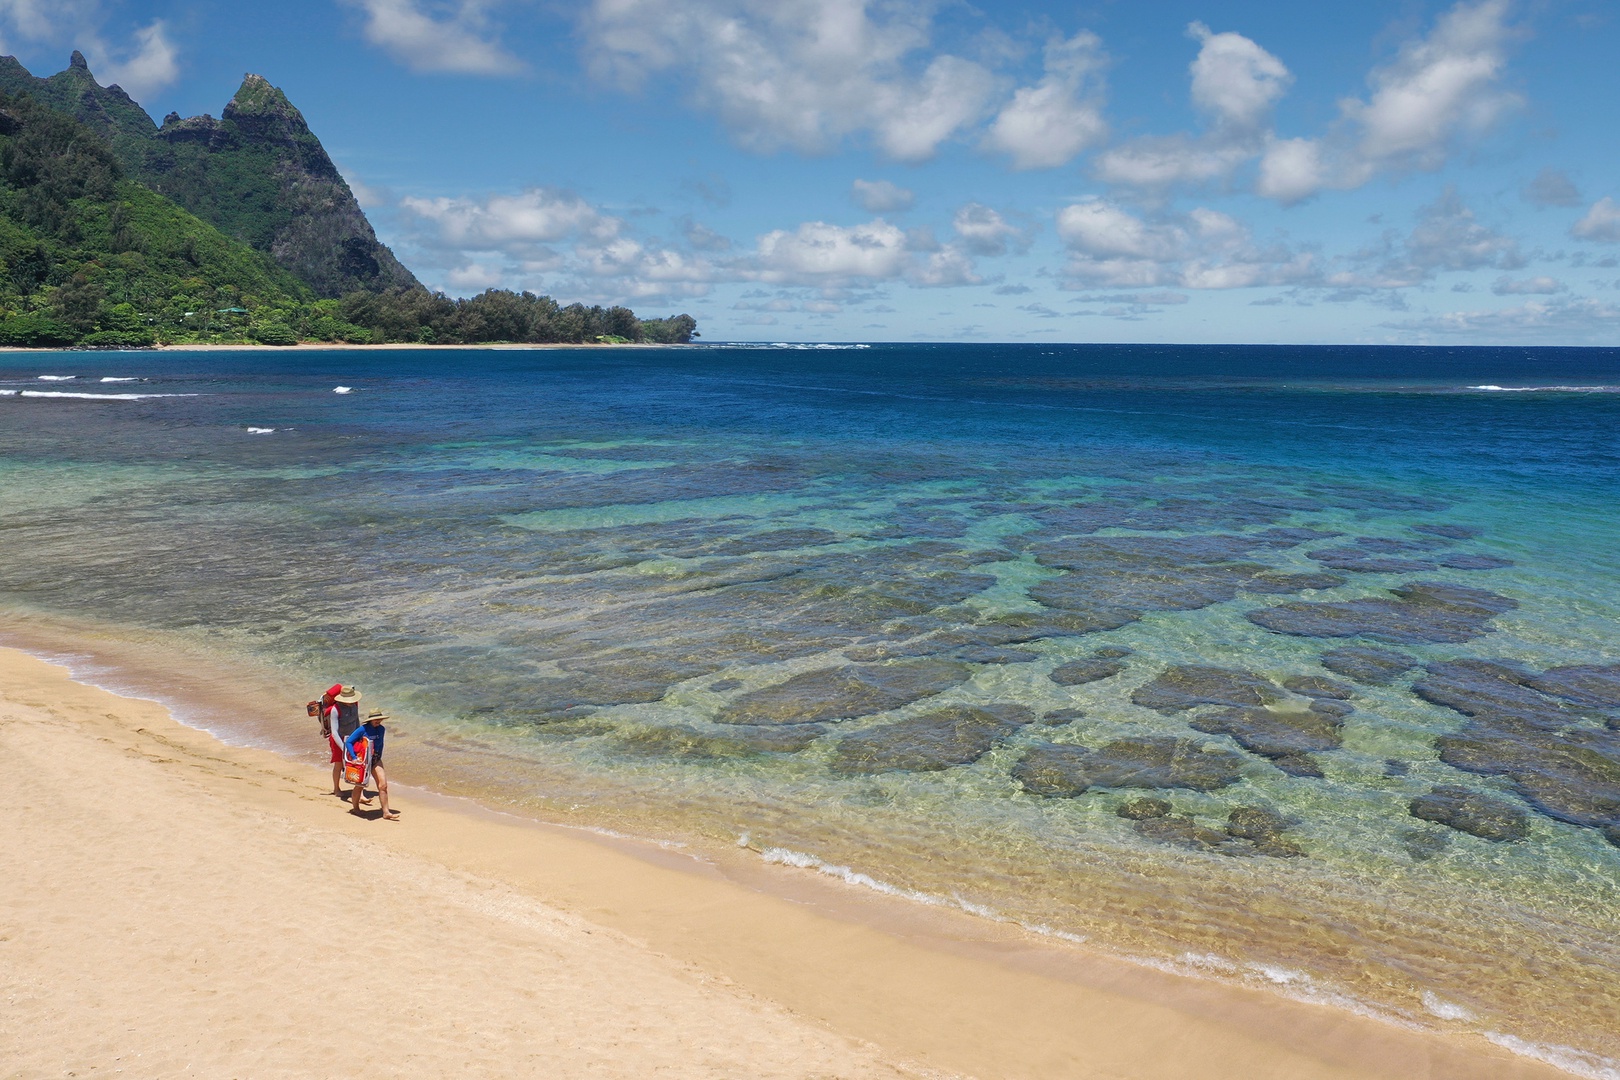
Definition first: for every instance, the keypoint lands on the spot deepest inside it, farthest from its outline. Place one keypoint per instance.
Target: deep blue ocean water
(1077, 636)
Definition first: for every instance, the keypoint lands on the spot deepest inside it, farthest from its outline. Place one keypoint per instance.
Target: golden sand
(170, 905)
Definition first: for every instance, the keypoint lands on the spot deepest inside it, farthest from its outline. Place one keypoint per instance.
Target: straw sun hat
(349, 696)
(377, 714)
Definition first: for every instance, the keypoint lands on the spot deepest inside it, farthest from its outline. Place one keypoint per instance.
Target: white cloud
(1291, 170)
(881, 196)
(819, 252)
(1203, 249)
(512, 223)
(1438, 90)
(1600, 223)
(984, 231)
(800, 73)
(1235, 80)
(151, 64)
(1552, 187)
(1235, 83)
(427, 36)
(1047, 124)
(1536, 286)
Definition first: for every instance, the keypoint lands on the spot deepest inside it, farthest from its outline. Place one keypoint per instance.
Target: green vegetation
(92, 255)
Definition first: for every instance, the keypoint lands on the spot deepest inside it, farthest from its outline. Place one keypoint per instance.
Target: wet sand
(169, 904)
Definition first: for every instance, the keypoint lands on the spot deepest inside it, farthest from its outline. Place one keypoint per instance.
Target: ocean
(1288, 666)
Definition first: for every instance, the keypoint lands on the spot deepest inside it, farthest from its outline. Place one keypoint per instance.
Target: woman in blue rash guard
(372, 730)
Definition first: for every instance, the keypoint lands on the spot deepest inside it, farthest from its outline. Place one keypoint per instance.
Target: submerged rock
(1062, 716)
(1421, 611)
(1185, 832)
(1315, 686)
(1141, 809)
(1423, 845)
(1279, 583)
(1361, 562)
(1184, 687)
(1467, 811)
(1285, 736)
(1087, 670)
(688, 742)
(1558, 761)
(1139, 762)
(1450, 532)
(838, 693)
(1595, 686)
(1475, 562)
(1372, 666)
(958, 735)
(1264, 829)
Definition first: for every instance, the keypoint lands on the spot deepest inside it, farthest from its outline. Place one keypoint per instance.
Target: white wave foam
(260, 430)
(57, 378)
(121, 378)
(788, 857)
(1548, 389)
(342, 389)
(1570, 1060)
(94, 397)
(8, 393)
(1444, 1009)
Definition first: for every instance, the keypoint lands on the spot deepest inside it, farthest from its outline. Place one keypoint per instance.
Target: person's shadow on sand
(369, 813)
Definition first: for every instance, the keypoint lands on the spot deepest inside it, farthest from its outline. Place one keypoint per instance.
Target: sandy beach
(172, 905)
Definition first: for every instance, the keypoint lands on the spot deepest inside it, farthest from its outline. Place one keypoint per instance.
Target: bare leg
(355, 794)
(337, 778)
(381, 777)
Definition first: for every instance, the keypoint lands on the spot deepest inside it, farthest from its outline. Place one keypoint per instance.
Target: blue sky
(1240, 171)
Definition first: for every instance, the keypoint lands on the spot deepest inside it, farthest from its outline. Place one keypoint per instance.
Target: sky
(1387, 171)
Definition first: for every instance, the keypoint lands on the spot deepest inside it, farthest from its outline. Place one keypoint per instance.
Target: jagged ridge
(257, 173)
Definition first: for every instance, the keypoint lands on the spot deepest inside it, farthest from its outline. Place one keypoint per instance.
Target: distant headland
(118, 232)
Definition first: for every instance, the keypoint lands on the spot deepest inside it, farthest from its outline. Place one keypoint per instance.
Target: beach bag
(355, 768)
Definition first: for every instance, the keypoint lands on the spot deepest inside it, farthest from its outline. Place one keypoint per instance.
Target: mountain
(257, 173)
(91, 257)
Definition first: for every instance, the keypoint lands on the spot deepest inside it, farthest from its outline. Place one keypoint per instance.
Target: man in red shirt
(339, 717)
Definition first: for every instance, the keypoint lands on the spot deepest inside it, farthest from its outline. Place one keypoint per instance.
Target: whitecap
(260, 430)
(121, 378)
(342, 389)
(94, 397)
(57, 378)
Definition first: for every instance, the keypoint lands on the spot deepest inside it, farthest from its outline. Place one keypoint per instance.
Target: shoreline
(315, 346)
(928, 988)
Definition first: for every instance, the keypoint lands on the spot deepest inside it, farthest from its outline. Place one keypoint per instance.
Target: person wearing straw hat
(339, 710)
(372, 732)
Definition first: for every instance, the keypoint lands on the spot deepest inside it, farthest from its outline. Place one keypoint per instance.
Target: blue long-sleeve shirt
(375, 733)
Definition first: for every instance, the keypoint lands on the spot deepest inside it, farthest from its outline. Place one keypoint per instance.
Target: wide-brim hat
(377, 714)
(349, 696)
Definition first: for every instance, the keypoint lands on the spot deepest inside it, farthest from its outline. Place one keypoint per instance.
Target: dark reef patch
(1139, 762)
(1184, 687)
(1287, 737)
(1484, 816)
(1316, 686)
(1087, 670)
(1550, 747)
(958, 735)
(1368, 665)
(1419, 612)
(838, 693)
(1450, 532)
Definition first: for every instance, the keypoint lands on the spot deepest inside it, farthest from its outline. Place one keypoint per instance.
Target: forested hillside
(117, 233)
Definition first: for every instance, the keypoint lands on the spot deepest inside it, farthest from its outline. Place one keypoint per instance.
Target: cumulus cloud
(881, 196)
(1047, 124)
(983, 231)
(819, 252)
(150, 63)
(1235, 85)
(1552, 187)
(1600, 223)
(441, 37)
(1204, 249)
(1437, 90)
(549, 239)
(800, 73)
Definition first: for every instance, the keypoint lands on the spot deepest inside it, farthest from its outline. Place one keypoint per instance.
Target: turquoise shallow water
(1288, 665)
